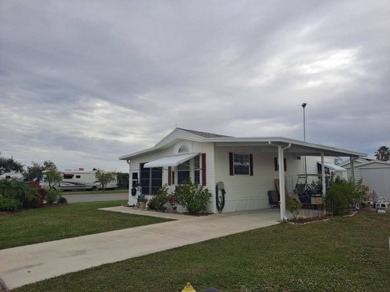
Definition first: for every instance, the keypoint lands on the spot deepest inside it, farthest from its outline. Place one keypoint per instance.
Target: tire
(94, 188)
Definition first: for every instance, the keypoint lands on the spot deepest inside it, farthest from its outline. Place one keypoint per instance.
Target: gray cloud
(85, 82)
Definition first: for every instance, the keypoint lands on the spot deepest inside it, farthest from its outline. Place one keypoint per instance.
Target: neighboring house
(331, 165)
(359, 161)
(247, 166)
(374, 174)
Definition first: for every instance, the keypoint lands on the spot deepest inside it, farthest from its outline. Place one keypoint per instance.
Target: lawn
(52, 223)
(343, 254)
(105, 192)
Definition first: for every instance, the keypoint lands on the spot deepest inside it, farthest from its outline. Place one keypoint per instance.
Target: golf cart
(309, 189)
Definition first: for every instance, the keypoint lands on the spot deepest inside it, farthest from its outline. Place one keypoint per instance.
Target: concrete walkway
(31, 263)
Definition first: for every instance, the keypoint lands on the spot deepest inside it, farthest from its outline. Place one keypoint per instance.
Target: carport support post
(282, 186)
(323, 175)
(130, 181)
(352, 161)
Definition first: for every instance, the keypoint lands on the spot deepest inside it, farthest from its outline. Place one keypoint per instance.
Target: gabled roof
(186, 134)
(203, 134)
(358, 161)
(294, 146)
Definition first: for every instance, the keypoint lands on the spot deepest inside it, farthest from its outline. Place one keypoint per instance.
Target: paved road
(96, 197)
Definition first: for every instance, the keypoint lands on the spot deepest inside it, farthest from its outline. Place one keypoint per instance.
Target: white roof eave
(297, 147)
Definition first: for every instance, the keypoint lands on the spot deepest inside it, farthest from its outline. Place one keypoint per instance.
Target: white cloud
(86, 82)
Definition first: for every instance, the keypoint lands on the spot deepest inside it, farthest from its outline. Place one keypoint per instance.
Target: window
(183, 173)
(68, 176)
(319, 169)
(276, 164)
(78, 176)
(134, 179)
(150, 179)
(241, 164)
(183, 149)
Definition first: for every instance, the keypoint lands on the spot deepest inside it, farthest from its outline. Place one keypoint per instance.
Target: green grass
(76, 219)
(344, 254)
(115, 191)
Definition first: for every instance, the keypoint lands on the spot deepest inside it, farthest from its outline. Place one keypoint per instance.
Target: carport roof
(295, 146)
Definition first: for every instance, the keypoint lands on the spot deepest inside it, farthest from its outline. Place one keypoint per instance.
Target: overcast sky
(84, 82)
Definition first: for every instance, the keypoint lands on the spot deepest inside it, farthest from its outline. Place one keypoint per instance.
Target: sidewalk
(31, 263)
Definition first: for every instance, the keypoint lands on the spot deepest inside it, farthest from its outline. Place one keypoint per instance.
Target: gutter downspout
(282, 184)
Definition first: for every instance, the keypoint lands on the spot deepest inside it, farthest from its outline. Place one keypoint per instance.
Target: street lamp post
(304, 135)
(304, 121)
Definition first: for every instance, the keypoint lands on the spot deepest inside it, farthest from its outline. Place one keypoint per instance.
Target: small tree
(123, 180)
(104, 177)
(9, 164)
(383, 153)
(36, 170)
(53, 176)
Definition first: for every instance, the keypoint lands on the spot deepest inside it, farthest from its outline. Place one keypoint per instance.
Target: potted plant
(142, 202)
(173, 201)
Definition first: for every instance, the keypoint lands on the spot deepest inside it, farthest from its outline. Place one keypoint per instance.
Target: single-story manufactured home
(248, 167)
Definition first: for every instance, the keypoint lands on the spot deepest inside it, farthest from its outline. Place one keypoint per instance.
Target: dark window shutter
(203, 169)
(251, 164)
(169, 175)
(231, 163)
(276, 164)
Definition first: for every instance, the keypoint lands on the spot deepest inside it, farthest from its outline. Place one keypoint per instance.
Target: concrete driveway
(31, 263)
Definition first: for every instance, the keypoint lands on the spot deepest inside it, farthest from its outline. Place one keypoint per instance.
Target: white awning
(170, 160)
(333, 166)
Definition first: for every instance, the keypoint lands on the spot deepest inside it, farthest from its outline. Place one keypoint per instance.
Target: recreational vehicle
(77, 180)
(12, 175)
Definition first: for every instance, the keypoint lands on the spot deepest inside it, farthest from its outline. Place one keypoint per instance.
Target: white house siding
(311, 162)
(245, 192)
(356, 173)
(377, 178)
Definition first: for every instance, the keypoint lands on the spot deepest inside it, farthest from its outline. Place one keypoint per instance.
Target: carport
(304, 149)
(295, 147)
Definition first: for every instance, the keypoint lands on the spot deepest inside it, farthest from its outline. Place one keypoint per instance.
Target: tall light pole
(304, 135)
(304, 121)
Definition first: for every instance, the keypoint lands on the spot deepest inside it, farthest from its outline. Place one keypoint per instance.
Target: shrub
(7, 204)
(159, 199)
(193, 197)
(52, 196)
(293, 206)
(344, 195)
(27, 195)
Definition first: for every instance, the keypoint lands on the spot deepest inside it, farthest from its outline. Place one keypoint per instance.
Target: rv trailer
(77, 180)
(12, 175)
